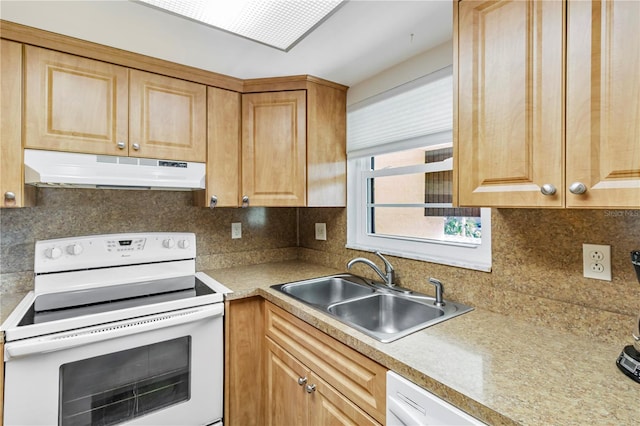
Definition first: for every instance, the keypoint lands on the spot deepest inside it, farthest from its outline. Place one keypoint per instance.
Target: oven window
(118, 387)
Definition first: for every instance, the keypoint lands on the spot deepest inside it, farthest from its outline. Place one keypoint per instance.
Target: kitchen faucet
(388, 277)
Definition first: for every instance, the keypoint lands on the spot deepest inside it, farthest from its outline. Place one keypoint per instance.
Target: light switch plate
(321, 231)
(236, 230)
(596, 260)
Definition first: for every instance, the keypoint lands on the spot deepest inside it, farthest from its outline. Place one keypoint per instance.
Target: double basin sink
(382, 313)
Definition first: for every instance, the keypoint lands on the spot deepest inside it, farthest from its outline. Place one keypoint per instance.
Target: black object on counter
(635, 259)
(629, 362)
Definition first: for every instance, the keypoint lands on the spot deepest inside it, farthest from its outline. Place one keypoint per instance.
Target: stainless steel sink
(327, 290)
(381, 313)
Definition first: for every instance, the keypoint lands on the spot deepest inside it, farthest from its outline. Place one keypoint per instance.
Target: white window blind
(418, 113)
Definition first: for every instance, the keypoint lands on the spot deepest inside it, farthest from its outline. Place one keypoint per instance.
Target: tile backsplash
(537, 254)
(268, 234)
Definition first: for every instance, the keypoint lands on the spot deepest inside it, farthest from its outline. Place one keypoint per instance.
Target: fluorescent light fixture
(276, 23)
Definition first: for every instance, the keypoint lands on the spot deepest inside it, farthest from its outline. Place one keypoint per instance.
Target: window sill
(422, 257)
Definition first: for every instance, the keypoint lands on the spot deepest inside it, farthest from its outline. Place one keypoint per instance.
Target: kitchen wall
(537, 267)
(268, 234)
(537, 254)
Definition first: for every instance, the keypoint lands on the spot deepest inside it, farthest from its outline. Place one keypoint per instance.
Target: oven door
(163, 369)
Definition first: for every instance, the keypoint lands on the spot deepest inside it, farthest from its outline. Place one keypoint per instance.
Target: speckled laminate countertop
(501, 370)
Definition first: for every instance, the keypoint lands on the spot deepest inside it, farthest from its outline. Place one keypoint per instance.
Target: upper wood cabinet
(167, 117)
(82, 105)
(513, 146)
(510, 103)
(294, 143)
(283, 144)
(223, 149)
(603, 103)
(274, 142)
(75, 104)
(12, 188)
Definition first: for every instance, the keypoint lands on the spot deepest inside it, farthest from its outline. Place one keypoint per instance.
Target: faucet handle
(439, 290)
(387, 266)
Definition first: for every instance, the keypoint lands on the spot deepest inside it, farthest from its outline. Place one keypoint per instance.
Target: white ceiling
(360, 40)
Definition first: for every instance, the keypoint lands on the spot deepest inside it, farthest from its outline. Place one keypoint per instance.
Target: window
(400, 179)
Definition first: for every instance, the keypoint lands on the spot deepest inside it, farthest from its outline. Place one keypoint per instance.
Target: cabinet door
(330, 408)
(74, 104)
(14, 193)
(223, 150)
(274, 148)
(603, 103)
(286, 400)
(244, 351)
(168, 118)
(510, 103)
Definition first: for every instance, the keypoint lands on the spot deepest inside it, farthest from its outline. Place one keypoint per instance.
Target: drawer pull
(311, 388)
(302, 380)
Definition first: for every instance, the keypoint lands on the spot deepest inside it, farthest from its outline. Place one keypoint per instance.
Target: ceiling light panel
(276, 23)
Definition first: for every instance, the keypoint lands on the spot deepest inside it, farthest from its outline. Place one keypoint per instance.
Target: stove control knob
(74, 249)
(183, 244)
(53, 252)
(168, 243)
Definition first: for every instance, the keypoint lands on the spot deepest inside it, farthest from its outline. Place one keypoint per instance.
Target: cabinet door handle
(302, 380)
(213, 202)
(9, 196)
(136, 146)
(311, 388)
(245, 201)
(577, 188)
(121, 145)
(548, 189)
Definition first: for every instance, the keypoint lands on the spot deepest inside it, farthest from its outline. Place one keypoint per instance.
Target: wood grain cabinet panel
(167, 118)
(12, 189)
(223, 149)
(297, 396)
(81, 105)
(75, 104)
(329, 407)
(286, 400)
(244, 391)
(294, 144)
(361, 380)
(532, 115)
(603, 103)
(510, 103)
(274, 148)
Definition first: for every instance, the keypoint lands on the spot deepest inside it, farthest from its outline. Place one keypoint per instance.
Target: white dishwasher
(410, 405)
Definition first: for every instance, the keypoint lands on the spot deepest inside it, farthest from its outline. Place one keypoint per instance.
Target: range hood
(73, 170)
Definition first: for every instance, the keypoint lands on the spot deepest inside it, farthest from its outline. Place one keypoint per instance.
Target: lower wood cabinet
(280, 370)
(346, 387)
(297, 396)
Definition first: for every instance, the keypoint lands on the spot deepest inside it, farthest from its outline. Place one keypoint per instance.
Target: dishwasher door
(410, 405)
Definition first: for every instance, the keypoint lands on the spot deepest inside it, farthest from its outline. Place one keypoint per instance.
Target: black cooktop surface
(64, 305)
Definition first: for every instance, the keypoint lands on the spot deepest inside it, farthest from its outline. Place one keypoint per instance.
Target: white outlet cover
(321, 231)
(596, 261)
(236, 230)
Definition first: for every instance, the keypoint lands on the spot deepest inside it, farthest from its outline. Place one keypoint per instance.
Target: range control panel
(99, 251)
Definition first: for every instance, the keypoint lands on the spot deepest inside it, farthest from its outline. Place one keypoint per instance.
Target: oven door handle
(71, 339)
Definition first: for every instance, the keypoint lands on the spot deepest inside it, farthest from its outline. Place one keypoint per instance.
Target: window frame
(459, 254)
(361, 147)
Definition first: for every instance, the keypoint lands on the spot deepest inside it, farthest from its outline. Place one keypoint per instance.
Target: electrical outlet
(596, 261)
(321, 231)
(236, 230)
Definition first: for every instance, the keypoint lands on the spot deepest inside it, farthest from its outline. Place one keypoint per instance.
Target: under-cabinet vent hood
(72, 170)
